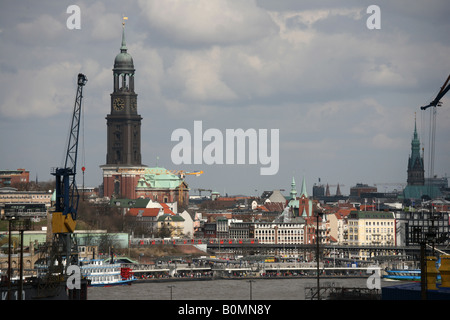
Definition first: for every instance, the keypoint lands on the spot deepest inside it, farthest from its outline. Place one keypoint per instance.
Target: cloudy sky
(342, 96)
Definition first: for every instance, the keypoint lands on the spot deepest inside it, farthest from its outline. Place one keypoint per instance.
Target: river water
(261, 289)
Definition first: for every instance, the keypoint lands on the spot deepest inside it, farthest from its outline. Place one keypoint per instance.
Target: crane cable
(431, 138)
(83, 156)
(431, 141)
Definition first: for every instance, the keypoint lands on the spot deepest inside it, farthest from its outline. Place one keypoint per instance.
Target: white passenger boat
(104, 274)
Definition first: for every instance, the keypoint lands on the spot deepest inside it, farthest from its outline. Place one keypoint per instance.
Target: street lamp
(319, 214)
(171, 288)
(251, 289)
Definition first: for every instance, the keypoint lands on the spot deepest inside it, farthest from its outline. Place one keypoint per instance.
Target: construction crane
(180, 173)
(66, 193)
(435, 103)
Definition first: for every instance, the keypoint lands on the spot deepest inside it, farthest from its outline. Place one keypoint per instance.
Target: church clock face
(133, 104)
(118, 104)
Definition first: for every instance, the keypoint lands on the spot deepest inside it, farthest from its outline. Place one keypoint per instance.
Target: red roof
(145, 212)
(274, 206)
(166, 209)
(341, 213)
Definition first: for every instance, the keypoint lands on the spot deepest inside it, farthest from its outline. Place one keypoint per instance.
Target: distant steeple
(293, 190)
(416, 170)
(415, 144)
(327, 191)
(304, 193)
(338, 191)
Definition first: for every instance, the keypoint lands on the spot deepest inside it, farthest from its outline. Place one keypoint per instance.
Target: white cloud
(197, 75)
(207, 22)
(382, 141)
(105, 25)
(45, 29)
(38, 92)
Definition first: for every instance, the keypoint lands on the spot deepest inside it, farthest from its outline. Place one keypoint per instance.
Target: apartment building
(278, 233)
(370, 228)
(11, 195)
(10, 178)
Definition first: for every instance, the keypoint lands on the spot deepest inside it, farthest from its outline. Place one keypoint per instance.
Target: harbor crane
(66, 202)
(66, 193)
(435, 103)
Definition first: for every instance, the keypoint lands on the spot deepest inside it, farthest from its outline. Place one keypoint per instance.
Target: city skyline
(343, 97)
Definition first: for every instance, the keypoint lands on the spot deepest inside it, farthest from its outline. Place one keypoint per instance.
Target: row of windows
(372, 223)
(379, 237)
(26, 196)
(27, 210)
(371, 237)
(295, 231)
(428, 223)
(379, 223)
(271, 226)
(378, 230)
(288, 239)
(372, 230)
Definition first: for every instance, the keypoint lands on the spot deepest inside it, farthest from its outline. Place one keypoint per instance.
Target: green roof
(416, 192)
(159, 178)
(170, 217)
(129, 203)
(374, 215)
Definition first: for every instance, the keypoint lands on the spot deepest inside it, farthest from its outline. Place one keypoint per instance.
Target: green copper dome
(123, 61)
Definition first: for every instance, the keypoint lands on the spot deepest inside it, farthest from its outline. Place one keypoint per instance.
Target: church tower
(123, 166)
(124, 123)
(416, 170)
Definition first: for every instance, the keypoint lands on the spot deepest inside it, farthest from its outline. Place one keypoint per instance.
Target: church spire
(304, 193)
(415, 127)
(293, 189)
(338, 191)
(123, 48)
(416, 171)
(415, 144)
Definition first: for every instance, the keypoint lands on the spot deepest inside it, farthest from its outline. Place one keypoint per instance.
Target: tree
(165, 231)
(101, 216)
